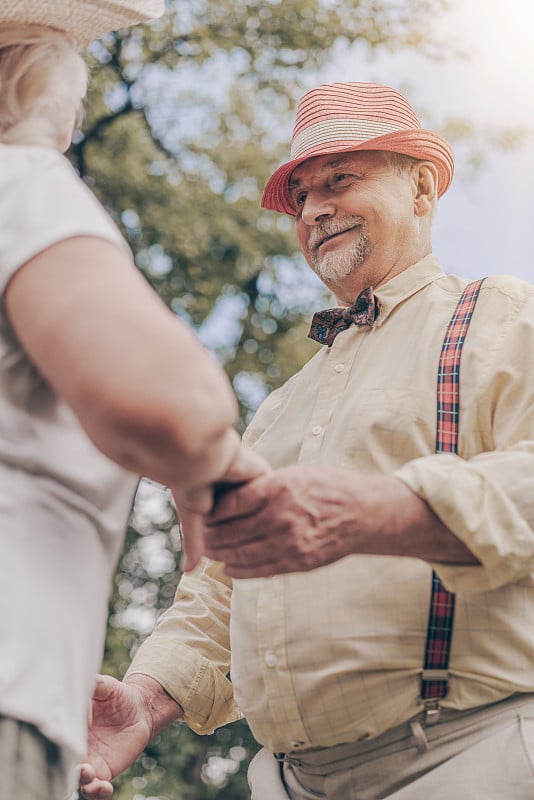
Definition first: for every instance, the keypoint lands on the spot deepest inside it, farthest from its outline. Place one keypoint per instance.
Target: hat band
(330, 131)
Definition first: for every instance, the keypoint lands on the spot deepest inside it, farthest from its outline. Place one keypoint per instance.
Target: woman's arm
(146, 392)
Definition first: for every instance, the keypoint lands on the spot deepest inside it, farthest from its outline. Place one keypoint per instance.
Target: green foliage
(181, 766)
(186, 119)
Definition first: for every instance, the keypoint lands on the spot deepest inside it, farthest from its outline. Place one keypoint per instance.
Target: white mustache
(328, 229)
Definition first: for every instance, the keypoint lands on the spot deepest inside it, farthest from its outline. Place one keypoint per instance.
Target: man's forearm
(402, 524)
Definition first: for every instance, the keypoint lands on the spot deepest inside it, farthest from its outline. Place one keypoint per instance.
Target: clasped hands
(272, 522)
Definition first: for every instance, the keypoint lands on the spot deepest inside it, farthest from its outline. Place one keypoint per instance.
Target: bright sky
(485, 225)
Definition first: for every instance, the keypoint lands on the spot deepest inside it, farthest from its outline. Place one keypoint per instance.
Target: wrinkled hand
(194, 504)
(119, 730)
(289, 520)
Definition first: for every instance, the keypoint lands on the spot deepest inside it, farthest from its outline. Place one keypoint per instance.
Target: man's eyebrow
(338, 162)
(293, 183)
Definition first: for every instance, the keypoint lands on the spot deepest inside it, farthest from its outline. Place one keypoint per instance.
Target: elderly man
(381, 644)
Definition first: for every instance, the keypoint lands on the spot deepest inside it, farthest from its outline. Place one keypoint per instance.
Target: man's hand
(193, 504)
(288, 520)
(302, 517)
(125, 716)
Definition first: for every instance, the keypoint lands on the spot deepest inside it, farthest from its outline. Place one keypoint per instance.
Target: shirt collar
(406, 284)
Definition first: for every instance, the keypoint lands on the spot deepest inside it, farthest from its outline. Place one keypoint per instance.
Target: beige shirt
(335, 654)
(63, 505)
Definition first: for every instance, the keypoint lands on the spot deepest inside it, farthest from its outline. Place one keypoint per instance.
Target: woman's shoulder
(25, 166)
(22, 156)
(43, 201)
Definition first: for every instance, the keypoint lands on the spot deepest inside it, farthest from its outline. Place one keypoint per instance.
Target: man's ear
(426, 188)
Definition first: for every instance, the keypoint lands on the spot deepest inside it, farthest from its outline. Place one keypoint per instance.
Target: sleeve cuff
(203, 692)
(480, 515)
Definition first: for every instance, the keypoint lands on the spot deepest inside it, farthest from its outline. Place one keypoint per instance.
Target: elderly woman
(99, 383)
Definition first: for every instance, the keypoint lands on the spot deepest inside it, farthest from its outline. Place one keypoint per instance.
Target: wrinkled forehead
(318, 165)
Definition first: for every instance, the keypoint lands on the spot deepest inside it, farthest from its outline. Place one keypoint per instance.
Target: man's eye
(300, 198)
(340, 177)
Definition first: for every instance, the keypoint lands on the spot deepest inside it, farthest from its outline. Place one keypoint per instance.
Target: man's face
(355, 219)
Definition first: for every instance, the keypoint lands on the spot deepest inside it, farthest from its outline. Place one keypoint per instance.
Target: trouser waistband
(406, 735)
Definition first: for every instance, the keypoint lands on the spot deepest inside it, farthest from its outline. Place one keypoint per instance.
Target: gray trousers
(30, 765)
(484, 754)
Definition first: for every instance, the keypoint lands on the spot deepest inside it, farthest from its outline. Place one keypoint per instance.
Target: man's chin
(333, 273)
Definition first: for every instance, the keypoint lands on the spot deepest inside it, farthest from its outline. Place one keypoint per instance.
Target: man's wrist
(159, 707)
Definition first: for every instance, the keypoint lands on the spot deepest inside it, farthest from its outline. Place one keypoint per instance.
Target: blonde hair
(43, 82)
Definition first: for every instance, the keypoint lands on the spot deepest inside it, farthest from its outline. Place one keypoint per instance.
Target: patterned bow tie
(328, 323)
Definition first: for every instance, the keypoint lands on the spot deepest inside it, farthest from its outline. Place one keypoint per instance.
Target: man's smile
(326, 238)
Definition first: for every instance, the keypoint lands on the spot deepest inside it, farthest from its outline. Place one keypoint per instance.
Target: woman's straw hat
(81, 20)
(343, 117)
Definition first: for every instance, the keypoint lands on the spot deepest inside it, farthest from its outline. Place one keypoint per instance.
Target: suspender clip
(432, 711)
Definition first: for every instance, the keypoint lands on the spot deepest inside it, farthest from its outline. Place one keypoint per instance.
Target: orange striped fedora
(344, 117)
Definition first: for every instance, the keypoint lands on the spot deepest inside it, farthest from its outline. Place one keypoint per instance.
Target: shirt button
(296, 745)
(339, 367)
(316, 430)
(270, 659)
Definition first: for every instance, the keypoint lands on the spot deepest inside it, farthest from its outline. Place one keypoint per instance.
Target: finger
(87, 774)
(245, 466)
(236, 504)
(198, 500)
(91, 787)
(97, 790)
(104, 686)
(266, 570)
(192, 526)
(243, 554)
(222, 539)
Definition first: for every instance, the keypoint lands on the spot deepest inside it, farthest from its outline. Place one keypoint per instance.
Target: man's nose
(317, 207)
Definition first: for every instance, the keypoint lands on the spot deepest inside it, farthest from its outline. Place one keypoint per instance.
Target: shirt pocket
(388, 427)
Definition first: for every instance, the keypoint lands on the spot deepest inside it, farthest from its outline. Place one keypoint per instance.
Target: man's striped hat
(346, 117)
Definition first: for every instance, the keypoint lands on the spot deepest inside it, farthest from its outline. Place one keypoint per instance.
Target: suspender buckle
(432, 711)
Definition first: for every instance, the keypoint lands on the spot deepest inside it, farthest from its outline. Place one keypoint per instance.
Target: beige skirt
(30, 765)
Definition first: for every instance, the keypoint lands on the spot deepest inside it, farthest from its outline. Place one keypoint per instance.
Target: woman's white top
(63, 505)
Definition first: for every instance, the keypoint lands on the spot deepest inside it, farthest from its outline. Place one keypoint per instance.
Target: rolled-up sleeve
(188, 652)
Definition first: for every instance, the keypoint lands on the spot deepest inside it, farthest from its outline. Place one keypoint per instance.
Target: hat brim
(417, 143)
(81, 21)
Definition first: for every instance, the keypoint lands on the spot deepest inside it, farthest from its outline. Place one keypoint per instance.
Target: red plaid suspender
(441, 613)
